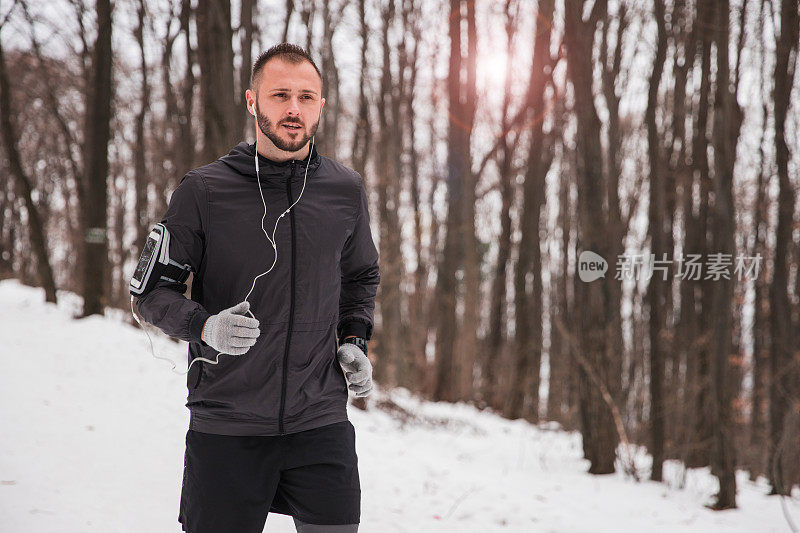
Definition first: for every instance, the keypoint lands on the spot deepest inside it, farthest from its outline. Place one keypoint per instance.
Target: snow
(93, 432)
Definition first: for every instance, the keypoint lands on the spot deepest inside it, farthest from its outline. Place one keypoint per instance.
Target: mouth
(292, 127)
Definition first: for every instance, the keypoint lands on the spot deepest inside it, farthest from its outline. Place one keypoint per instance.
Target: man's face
(288, 103)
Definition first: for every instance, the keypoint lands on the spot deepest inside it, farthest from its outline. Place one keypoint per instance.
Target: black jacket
(323, 283)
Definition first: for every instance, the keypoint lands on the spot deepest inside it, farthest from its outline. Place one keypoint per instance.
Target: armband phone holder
(155, 264)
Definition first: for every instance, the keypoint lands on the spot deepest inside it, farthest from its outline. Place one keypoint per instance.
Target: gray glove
(357, 369)
(230, 332)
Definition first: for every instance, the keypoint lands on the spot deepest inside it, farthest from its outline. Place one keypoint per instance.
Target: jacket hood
(240, 159)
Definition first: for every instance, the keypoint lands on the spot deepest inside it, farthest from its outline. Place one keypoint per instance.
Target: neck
(273, 153)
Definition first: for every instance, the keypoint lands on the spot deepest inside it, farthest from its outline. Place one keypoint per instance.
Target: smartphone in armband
(155, 264)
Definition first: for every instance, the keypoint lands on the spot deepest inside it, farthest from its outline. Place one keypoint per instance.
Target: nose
(294, 108)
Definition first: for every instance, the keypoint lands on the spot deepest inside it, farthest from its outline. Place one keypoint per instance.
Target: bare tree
(527, 276)
(597, 426)
(307, 10)
(363, 132)
(419, 301)
(388, 188)
(140, 169)
(37, 233)
(289, 11)
(560, 387)
(656, 293)
(677, 202)
(467, 340)
(727, 119)
(461, 104)
(186, 145)
(330, 143)
(611, 76)
(247, 13)
(7, 223)
(783, 369)
(696, 298)
(495, 342)
(215, 55)
(761, 349)
(95, 184)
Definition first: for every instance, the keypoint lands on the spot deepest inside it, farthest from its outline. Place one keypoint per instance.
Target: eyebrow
(289, 90)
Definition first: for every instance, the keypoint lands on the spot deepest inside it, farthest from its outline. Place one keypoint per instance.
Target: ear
(321, 106)
(250, 99)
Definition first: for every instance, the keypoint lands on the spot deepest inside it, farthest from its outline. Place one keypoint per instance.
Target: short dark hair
(286, 51)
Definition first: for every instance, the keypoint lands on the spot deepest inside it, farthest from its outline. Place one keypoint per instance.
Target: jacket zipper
(291, 304)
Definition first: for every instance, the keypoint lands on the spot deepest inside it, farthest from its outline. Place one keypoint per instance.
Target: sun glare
(492, 68)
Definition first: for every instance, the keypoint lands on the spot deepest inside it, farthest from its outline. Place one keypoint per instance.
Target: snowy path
(93, 433)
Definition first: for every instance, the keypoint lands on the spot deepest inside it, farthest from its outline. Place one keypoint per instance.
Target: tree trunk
(215, 55)
(616, 226)
(140, 173)
(391, 334)
(783, 369)
(761, 340)
(599, 434)
(467, 340)
(697, 294)
(418, 325)
(246, 44)
(95, 208)
(561, 374)
(458, 166)
(528, 275)
(36, 230)
(656, 292)
(289, 11)
(6, 232)
(362, 138)
(186, 142)
(726, 131)
(495, 341)
(426, 384)
(307, 17)
(677, 192)
(330, 143)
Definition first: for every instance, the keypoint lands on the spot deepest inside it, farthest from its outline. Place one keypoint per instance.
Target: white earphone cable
(271, 241)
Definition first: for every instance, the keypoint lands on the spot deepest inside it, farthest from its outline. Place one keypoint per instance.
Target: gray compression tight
(303, 527)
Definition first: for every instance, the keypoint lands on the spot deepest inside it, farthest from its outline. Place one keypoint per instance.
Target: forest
(586, 211)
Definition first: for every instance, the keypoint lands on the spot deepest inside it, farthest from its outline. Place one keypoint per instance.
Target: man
(268, 425)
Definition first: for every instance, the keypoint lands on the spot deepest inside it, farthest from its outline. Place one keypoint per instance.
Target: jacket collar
(240, 158)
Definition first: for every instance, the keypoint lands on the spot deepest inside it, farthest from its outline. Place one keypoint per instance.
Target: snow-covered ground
(92, 437)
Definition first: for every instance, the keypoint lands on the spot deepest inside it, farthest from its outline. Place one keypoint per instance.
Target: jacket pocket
(199, 374)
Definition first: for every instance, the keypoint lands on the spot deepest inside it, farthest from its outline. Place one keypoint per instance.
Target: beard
(287, 145)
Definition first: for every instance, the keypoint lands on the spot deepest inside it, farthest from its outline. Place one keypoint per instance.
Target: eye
(280, 95)
(308, 97)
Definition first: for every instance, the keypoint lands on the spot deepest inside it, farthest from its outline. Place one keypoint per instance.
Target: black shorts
(230, 483)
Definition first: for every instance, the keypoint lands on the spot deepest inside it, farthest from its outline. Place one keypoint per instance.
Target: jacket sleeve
(360, 276)
(186, 219)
